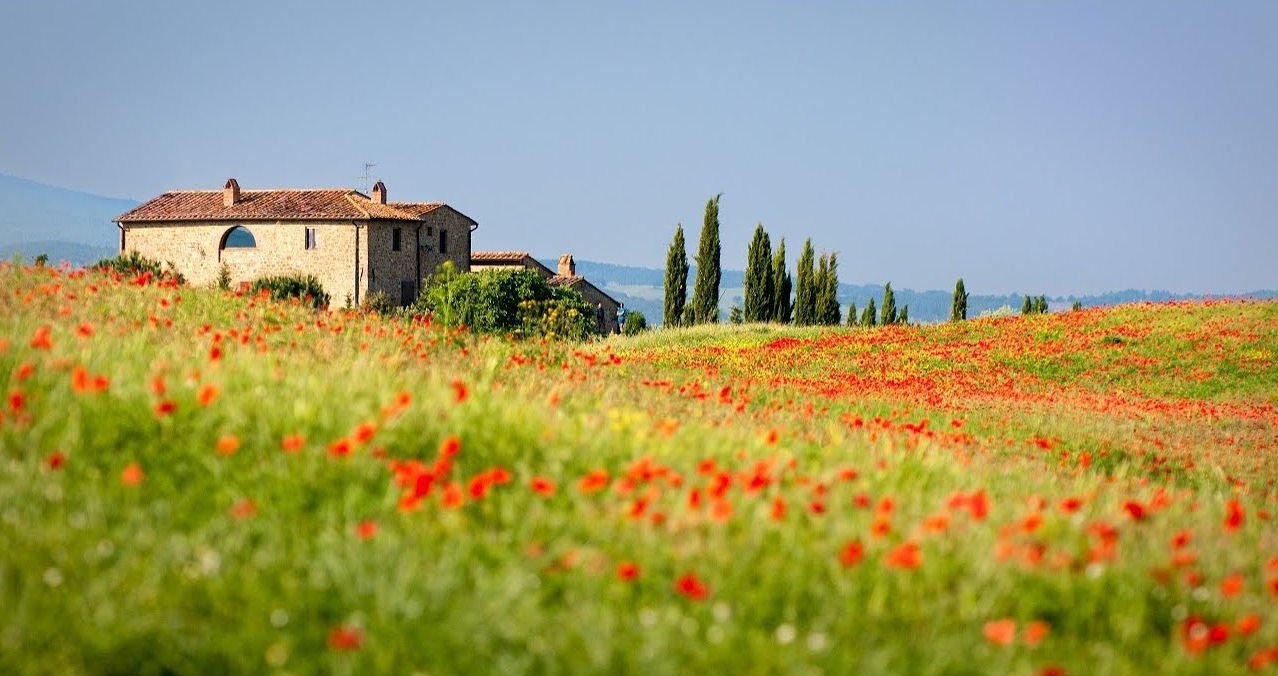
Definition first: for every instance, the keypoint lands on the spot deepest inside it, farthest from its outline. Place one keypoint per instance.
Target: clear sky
(1037, 147)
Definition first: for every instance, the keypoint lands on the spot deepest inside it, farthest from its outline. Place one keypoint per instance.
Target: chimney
(379, 192)
(230, 192)
(567, 268)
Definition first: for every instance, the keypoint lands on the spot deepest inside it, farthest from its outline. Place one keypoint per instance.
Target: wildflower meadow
(196, 481)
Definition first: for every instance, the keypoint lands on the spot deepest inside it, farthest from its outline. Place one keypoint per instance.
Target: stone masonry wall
(456, 229)
(389, 270)
(193, 248)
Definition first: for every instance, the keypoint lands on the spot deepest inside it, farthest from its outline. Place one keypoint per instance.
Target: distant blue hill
(66, 224)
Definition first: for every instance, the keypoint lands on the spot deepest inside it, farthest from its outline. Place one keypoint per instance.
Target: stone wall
(456, 233)
(596, 299)
(389, 270)
(194, 250)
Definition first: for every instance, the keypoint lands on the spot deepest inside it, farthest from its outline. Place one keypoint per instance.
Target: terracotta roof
(417, 209)
(565, 280)
(511, 257)
(271, 205)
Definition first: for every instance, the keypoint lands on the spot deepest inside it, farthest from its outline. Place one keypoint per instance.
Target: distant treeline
(925, 306)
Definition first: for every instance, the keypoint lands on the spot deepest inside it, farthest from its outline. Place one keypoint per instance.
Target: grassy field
(193, 482)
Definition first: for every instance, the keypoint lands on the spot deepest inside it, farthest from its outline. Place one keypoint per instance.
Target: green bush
(305, 287)
(134, 263)
(636, 323)
(517, 302)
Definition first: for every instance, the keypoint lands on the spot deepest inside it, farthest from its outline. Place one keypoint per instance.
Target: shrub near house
(515, 301)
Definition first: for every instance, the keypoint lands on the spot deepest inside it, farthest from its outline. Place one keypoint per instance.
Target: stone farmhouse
(565, 276)
(356, 245)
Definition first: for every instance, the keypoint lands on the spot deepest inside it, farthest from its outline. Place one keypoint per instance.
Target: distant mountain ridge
(37, 213)
(76, 226)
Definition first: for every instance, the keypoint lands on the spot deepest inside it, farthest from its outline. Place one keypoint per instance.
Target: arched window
(238, 237)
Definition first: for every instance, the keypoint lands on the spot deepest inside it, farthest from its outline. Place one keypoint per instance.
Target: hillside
(196, 482)
(66, 224)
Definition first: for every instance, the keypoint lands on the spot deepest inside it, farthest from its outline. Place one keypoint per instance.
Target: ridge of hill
(65, 224)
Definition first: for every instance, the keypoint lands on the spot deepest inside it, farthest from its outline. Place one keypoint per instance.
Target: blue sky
(1035, 147)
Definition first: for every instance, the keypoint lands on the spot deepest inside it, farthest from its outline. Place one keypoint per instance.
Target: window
(443, 241)
(395, 239)
(238, 237)
(311, 238)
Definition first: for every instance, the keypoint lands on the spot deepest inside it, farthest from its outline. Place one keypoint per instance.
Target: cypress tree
(676, 280)
(1027, 307)
(829, 311)
(1040, 305)
(867, 315)
(759, 294)
(904, 318)
(819, 287)
(804, 288)
(705, 294)
(852, 313)
(958, 308)
(780, 286)
(887, 314)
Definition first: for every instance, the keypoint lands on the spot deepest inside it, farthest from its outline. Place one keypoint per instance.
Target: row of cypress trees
(704, 308)
(768, 285)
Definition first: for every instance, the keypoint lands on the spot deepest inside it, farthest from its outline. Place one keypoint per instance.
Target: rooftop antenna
(367, 167)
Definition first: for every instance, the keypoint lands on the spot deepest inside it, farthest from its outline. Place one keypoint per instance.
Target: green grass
(98, 576)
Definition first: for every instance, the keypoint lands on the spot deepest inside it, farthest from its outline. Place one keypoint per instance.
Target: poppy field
(194, 481)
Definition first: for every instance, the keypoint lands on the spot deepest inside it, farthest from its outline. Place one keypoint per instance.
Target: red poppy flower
(56, 460)
(1234, 516)
(345, 639)
(460, 392)
(363, 432)
(1231, 586)
(542, 486)
(164, 408)
(1248, 624)
(207, 394)
(627, 571)
(132, 475)
(292, 443)
(1000, 632)
(340, 448)
(692, 587)
(366, 530)
(244, 509)
(596, 480)
(453, 496)
(41, 339)
(778, 508)
(851, 554)
(228, 444)
(906, 556)
(1036, 631)
(450, 446)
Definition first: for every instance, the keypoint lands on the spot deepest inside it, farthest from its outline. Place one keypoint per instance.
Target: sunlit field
(193, 482)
